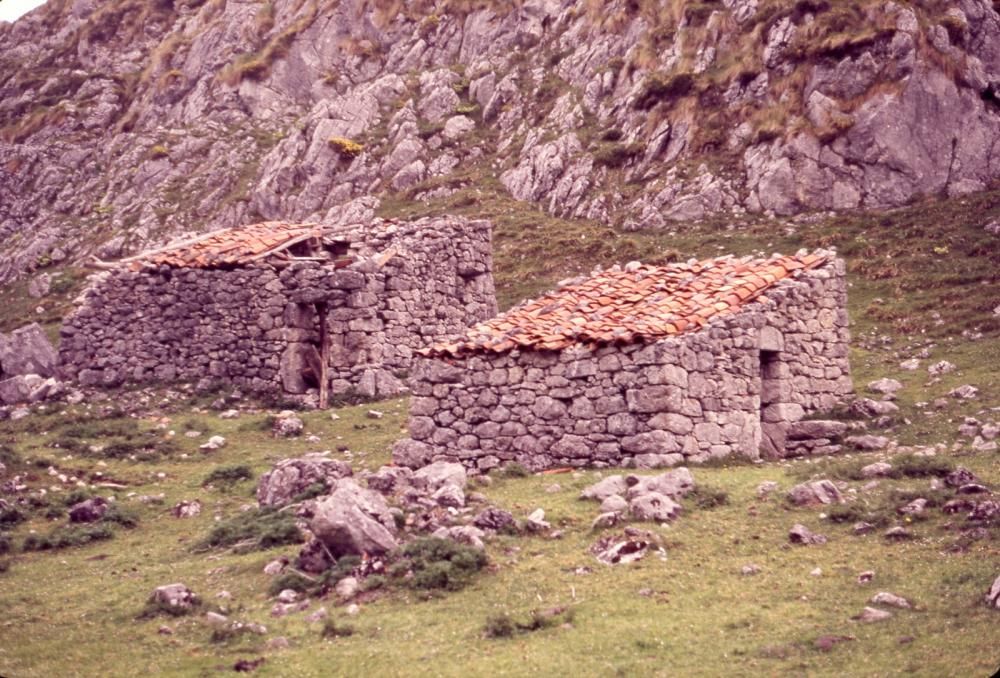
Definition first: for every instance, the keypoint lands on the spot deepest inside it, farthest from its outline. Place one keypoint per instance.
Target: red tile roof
(229, 247)
(641, 303)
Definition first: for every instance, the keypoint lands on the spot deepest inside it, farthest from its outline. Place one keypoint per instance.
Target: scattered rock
(536, 521)
(866, 407)
(553, 488)
(800, 534)
(877, 470)
(826, 643)
(165, 631)
(277, 643)
(960, 476)
(815, 429)
(287, 425)
(88, 511)
(674, 484)
(276, 566)
(440, 473)
(463, 534)
(229, 414)
(885, 386)
(898, 533)
(493, 518)
(914, 508)
(985, 512)
(816, 572)
(653, 506)
(291, 477)
(616, 550)
(964, 392)
(862, 527)
(27, 350)
(318, 615)
(750, 570)
(993, 596)
(890, 599)
(449, 495)
(186, 509)
(815, 492)
(347, 588)
(288, 596)
(374, 414)
(614, 504)
(605, 488)
(766, 488)
(867, 443)
(606, 520)
(214, 443)
(871, 614)
(941, 367)
(973, 488)
(216, 619)
(910, 365)
(175, 596)
(389, 479)
(866, 577)
(353, 610)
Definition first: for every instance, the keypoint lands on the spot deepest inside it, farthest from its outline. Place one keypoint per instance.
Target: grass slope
(920, 277)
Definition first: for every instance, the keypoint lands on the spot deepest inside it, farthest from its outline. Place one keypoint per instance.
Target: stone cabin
(277, 307)
(640, 366)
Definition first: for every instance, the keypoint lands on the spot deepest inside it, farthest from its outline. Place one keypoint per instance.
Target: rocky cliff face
(125, 122)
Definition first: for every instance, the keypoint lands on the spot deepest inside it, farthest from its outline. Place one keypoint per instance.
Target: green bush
(505, 626)
(65, 537)
(254, 530)
(6, 545)
(708, 497)
(228, 475)
(438, 564)
(122, 516)
(331, 629)
(661, 86)
(11, 515)
(513, 470)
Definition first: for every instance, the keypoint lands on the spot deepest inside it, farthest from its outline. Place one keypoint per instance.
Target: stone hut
(277, 307)
(641, 366)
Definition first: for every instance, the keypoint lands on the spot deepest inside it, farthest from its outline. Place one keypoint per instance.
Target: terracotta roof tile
(229, 247)
(641, 303)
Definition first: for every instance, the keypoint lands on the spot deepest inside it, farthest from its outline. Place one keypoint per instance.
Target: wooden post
(324, 356)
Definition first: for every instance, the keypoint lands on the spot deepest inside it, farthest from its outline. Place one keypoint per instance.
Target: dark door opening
(772, 442)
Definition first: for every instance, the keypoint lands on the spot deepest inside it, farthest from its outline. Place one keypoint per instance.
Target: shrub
(912, 466)
(708, 497)
(617, 155)
(122, 516)
(6, 545)
(345, 147)
(11, 515)
(438, 564)
(254, 530)
(660, 86)
(505, 626)
(158, 151)
(331, 629)
(65, 537)
(228, 475)
(499, 626)
(9, 457)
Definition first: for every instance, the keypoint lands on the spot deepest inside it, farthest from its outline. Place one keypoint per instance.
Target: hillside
(123, 123)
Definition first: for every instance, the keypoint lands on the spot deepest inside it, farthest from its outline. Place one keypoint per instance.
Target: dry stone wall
(258, 326)
(682, 399)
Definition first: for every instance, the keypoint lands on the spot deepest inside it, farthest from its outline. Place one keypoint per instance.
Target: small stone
(870, 615)
(898, 533)
(347, 588)
(866, 577)
(374, 414)
(216, 619)
(192, 434)
(885, 386)
(826, 643)
(214, 443)
(165, 631)
(890, 599)
(553, 488)
(942, 367)
(750, 569)
(229, 414)
(614, 504)
(605, 488)
(964, 392)
(800, 534)
(186, 509)
(867, 442)
(288, 596)
(318, 615)
(766, 488)
(536, 521)
(605, 520)
(816, 572)
(877, 470)
(910, 365)
(914, 508)
(815, 492)
(276, 567)
(277, 643)
(993, 596)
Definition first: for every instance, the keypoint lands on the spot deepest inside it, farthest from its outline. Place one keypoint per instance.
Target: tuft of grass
(346, 148)
(705, 497)
(662, 87)
(333, 629)
(505, 626)
(513, 470)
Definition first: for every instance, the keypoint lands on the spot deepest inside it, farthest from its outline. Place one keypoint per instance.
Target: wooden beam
(324, 356)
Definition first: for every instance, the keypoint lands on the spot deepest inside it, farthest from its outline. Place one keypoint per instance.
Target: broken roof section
(640, 303)
(238, 246)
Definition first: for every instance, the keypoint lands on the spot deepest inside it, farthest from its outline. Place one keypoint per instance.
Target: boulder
(605, 488)
(674, 484)
(463, 534)
(871, 614)
(287, 425)
(27, 351)
(614, 504)
(291, 477)
(347, 588)
(815, 492)
(813, 429)
(868, 443)
(186, 509)
(176, 597)
(214, 443)
(960, 476)
(885, 385)
(411, 453)
(389, 479)
(877, 470)
(655, 507)
(890, 599)
(492, 518)
(434, 476)
(354, 521)
(536, 522)
(993, 596)
(866, 407)
(964, 392)
(800, 534)
(88, 511)
(449, 496)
